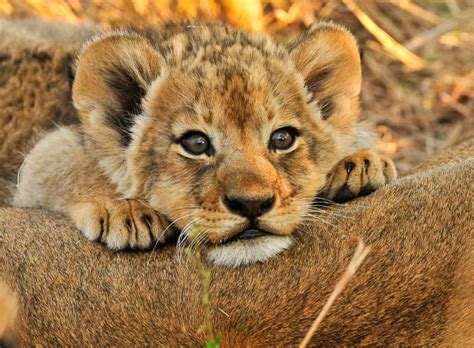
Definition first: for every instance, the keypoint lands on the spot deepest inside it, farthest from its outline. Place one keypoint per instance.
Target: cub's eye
(283, 138)
(196, 143)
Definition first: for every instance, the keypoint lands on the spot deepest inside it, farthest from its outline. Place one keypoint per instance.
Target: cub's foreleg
(60, 175)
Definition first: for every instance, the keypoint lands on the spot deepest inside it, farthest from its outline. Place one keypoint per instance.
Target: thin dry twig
(359, 256)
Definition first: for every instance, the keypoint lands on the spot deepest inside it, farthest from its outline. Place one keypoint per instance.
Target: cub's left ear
(328, 57)
(112, 77)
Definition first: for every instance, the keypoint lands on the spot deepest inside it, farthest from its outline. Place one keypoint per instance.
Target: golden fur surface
(414, 288)
(141, 95)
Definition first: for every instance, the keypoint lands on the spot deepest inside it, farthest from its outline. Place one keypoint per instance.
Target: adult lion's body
(414, 288)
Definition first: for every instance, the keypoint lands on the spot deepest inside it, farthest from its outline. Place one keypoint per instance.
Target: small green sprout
(204, 273)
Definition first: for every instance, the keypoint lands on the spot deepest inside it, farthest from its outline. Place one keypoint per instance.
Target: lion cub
(224, 135)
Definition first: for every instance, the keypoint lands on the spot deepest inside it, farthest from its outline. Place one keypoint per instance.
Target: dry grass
(360, 254)
(418, 57)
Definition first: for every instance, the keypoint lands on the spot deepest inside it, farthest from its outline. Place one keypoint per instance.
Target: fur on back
(414, 288)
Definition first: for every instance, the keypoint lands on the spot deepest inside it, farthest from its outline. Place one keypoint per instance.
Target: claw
(358, 175)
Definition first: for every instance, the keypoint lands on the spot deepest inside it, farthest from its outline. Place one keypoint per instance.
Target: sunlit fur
(414, 288)
(235, 87)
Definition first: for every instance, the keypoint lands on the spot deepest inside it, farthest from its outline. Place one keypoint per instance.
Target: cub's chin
(242, 252)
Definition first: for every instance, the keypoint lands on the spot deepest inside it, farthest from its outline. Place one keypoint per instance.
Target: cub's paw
(358, 175)
(119, 224)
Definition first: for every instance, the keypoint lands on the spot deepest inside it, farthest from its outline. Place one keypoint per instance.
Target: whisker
(328, 213)
(199, 241)
(183, 237)
(195, 240)
(163, 233)
(349, 204)
(318, 219)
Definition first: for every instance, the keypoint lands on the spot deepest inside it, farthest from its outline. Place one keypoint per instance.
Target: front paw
(358, 175)
(119, 224)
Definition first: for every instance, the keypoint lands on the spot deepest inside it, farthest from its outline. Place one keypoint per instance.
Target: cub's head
(221, 129)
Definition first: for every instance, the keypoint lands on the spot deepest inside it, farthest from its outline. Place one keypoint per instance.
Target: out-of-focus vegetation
(418, 55)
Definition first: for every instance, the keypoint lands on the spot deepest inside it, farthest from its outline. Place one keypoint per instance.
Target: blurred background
(418, 58)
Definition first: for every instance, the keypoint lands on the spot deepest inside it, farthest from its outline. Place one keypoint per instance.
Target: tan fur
(137, 94)
(414, 288)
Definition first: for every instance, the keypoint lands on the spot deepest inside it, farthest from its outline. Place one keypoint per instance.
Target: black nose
(248, 208)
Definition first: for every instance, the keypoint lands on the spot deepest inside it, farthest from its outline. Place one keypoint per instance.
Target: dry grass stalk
(417, 11)
(6, 8)
(244, 13)
(411, 60)
(430, 35)
(59, 10)
(359, 256)
(453, 7)
(141, 6)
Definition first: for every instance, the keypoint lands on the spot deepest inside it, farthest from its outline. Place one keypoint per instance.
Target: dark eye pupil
(195, 143)
(282, 139)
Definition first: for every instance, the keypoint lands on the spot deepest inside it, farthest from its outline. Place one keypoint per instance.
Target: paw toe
(90, 218)
(119, 224)
(147, 225)
(389, 171)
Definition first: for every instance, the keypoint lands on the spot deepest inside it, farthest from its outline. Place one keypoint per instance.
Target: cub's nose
(248, 208)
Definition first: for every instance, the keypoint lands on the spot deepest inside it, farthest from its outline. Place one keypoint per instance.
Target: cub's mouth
(251, 245)
(247, 234)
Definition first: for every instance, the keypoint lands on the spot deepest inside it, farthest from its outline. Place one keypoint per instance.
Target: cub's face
(230, 144)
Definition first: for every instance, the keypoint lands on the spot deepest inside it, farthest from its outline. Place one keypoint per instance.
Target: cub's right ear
(112, 77)
(328, 58)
